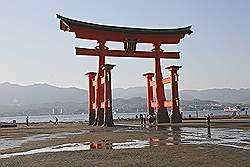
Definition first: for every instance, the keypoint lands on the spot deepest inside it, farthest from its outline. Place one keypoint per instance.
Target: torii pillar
(176, 116)
(149, 78)
(108, 116)
(99, 94)
(161, 110)
(91, 97)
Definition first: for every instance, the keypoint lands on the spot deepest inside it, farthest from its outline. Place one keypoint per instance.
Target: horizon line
(67, 87)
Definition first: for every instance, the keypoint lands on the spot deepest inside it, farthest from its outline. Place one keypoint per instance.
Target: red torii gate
(100, 100)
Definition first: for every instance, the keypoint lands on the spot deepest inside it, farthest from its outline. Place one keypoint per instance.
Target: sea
(84, 117)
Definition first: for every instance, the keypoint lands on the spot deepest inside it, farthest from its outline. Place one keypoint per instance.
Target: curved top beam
(84, 30)
(126, 30)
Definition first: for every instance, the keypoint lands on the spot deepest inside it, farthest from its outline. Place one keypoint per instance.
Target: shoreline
(215, 122)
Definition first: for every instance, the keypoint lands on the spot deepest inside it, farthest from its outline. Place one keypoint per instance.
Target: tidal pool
(172, 135)
(12, 143)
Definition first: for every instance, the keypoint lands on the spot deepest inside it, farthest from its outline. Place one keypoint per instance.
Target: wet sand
(240, 123)
(160, 155)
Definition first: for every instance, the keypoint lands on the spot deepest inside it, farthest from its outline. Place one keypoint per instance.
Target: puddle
(82, 147)
(236, 138)
(12, 143)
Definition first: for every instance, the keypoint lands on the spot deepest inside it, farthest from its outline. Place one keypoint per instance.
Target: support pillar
(108, 115)
(176, 116)
(99, 97)
(149, 78)
(91, 97)
(161, 110)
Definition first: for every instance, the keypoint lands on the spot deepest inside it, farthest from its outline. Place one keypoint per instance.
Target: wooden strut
(120, 53)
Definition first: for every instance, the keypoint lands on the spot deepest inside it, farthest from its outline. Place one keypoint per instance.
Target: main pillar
(99, 97)
(108, 116)
(176, 116)
(161, 110)
(91, 97)
(149, 78)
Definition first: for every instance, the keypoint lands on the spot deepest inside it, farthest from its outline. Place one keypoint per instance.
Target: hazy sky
(216, 55)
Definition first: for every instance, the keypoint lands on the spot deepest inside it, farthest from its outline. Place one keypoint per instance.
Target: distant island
(41, 99)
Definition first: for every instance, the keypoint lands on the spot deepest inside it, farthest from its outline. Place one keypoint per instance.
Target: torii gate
(100, 100)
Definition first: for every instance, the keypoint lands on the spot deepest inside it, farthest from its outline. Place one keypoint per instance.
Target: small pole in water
(208, 126)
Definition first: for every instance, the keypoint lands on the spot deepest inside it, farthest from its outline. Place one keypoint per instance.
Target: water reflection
(208, 132)
(105, 144)
(168, 135)
(12, 143)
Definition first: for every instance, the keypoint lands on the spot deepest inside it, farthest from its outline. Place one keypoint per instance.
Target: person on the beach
(150, 118)
(154, 119)
(27, 120)
(144, 119)
(208, 120)
(141, 118)
(56, 122)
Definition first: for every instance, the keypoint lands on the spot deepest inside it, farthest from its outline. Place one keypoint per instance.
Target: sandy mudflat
(180, 155)
(161, 155)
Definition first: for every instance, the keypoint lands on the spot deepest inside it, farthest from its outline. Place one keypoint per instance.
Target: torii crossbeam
(99, 89)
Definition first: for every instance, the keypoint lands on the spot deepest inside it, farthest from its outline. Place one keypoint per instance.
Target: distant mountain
(129, 92)
(12, 94)
(40, 99)
(135, 104)
(57, 108)
(221, 95)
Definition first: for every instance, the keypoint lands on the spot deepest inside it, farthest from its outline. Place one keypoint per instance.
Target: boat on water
(231, 109)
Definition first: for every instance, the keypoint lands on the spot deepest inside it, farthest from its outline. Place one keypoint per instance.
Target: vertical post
(149, 77)
(161, 110)
(91, 97)
(176, 116)
(108, 116)
(99, 87)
